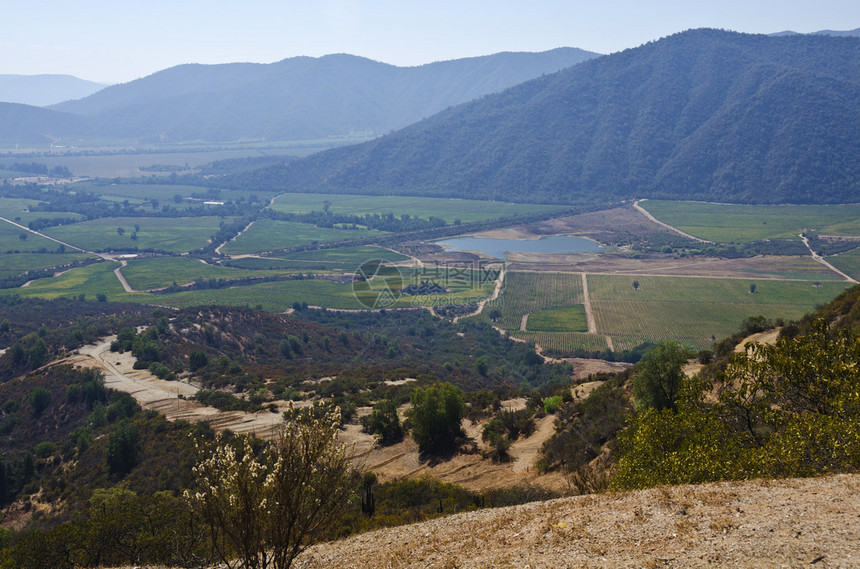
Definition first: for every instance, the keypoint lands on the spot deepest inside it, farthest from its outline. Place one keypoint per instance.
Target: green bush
(791, 409)
(39, 398)
(384, 422)
(44, 449)
(435, 417)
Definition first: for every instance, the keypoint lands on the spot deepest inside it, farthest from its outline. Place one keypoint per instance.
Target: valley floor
(761, 523)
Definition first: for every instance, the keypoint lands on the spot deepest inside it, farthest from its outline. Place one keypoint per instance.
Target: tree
(752, 288)
(123, 448)
(436, 414)
(197, 359)
(120, 231)
(40, 398)
(266, 507)
(384, 422)
(635, 285)
(494, 314)
(658, 377)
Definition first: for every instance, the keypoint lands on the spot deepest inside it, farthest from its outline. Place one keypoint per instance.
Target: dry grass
(782, 523)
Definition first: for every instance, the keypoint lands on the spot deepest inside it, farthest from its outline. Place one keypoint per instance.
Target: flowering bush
(264, 507)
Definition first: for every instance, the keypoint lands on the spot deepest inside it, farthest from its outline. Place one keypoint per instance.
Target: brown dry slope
(763, 523)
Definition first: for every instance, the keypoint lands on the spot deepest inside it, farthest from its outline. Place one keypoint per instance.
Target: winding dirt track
(167, 397)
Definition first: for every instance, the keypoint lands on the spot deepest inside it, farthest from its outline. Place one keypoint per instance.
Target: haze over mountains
(43, 90)
(703, 114)
(294, 99)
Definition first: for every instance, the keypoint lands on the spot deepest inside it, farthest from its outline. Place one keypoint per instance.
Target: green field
(848, 263)
(449, 209)
(271, 235)
(10, 208)
(353, 256)
(90, 281)
(743, 223)
(172, 234)
(526, 293)
(172, 195)
(15, 264)
(10, 240)
(693, 310)
(570, 319)
(696, 310)
(565, 342)
(157, 272)
(17, 210)
(786, 267)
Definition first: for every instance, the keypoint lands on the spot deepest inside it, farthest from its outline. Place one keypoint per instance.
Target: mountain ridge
(703, 114)
(45, 89)
(294, 99)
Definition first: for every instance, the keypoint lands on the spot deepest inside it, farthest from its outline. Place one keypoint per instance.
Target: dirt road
(169, 398)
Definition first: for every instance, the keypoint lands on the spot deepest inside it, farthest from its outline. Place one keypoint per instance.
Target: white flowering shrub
(265, 508)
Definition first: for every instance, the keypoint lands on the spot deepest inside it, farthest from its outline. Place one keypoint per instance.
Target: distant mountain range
(836, 33)
(703, 114)
(44, 90)
(294, 99)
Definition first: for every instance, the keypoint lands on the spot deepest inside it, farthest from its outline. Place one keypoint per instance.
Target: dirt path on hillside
(169, 398)
(757, 524)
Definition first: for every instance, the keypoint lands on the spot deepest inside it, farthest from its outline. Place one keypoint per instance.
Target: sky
(115, 41)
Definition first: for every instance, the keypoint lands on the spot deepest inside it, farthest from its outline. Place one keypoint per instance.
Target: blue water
(501, 247)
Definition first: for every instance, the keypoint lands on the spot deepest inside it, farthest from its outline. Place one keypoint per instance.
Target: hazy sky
(120, 40)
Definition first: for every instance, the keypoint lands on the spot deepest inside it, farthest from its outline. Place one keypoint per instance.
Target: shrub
(435, 416)
(265, 508)
(40, 398)
(384, 422)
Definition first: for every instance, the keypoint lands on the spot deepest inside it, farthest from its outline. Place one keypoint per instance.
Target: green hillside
(704, 114)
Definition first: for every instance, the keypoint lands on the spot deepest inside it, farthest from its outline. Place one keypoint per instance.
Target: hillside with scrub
(90, 470)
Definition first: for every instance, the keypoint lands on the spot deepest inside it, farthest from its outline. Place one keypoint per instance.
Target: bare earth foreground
(763, 523)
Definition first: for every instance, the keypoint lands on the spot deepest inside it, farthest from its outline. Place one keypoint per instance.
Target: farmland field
(272, 296)
(90, 281)
(172, 195)
(443, 208)
(10, 240)
(15, 264)
(156, 272)
(108, 165)
(742, 223)
(696, 310)
(848, 263)
(525, 293)
(565, 342)
(172, 234)
(348, 255)
(271, 235)
(693, 310)
(331, 259)
(570, 319)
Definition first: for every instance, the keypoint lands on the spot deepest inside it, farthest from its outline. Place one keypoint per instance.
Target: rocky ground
(763, 523)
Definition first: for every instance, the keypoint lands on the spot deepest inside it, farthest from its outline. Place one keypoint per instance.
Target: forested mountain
(703, 114)
(25, 124)
(42, 90)
(294, 99)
